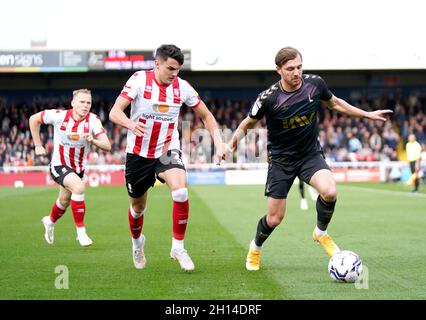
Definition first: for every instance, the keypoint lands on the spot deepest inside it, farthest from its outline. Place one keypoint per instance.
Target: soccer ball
(345, 266)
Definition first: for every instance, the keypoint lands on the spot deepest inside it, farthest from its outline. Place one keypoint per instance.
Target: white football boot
(49, 227)
(182, 256)
(139, 259)
(83, 238)
(304, 204)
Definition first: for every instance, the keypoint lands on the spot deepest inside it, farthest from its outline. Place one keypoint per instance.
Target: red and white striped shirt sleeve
(52, 116)
(131, 88)
(189, 96)
(96, 126)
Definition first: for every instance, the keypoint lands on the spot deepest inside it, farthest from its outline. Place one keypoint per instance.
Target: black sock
(302, 189)
(263, 232)
(324, 213)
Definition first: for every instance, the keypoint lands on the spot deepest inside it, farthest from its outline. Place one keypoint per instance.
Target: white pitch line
(401, 193)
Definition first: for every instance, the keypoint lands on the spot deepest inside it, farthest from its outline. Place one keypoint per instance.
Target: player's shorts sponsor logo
(161, 108)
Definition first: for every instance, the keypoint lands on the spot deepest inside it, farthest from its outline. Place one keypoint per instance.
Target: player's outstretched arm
(241, 131)
(210, 123)
(344, 107)
(35, 122)
(117, 116)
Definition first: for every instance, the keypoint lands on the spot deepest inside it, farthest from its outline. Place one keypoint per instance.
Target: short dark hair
(169, 51)
(286, 54)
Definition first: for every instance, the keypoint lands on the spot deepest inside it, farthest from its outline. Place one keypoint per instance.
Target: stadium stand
(342, 138)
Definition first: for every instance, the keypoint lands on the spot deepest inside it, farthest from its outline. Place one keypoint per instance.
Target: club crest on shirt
(161, 108)
(73, 136)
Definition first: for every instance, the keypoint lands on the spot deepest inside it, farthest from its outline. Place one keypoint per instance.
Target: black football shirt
(291, 117)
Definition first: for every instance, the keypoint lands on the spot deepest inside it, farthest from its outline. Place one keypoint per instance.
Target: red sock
(78, 207)
(56, 212)
(180, 219)
(135, 225)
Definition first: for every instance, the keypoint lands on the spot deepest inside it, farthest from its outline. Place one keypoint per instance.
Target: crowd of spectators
(342, 138)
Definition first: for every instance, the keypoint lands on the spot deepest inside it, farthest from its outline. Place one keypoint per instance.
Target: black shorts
(58, 173)
(141, 172)
(283, 171)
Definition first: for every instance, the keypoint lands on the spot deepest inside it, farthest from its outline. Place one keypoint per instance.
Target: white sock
(319, 232)
(81, 230)
(255, 246)
(137, 242)
(135, 214)
(59, 205)
(177, 244)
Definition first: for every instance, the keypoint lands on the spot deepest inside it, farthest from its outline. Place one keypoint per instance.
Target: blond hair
(76, 92)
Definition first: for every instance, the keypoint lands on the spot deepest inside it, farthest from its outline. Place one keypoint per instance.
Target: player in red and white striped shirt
(153, 144)
(74, 131)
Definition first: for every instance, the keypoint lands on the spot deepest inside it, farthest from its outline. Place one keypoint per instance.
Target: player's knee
(275, 216)
(330, 194)
(78, 188)
(139, 207)
(275, 220)
(180, 195)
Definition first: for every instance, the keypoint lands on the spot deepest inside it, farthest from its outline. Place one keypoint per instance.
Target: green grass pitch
(384, 224)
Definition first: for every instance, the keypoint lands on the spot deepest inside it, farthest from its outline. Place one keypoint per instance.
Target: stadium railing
(208, 173)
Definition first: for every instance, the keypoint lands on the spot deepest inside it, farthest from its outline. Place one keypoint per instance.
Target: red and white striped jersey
(158, 107)
(69, 147)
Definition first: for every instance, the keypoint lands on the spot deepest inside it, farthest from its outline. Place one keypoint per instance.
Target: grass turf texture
(383, 223)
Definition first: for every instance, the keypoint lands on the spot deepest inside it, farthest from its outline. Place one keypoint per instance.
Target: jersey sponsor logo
(298, 121)
(74, 137)
(161, 108)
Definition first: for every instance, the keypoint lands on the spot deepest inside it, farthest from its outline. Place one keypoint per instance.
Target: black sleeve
(259, 107)
(325, 93)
